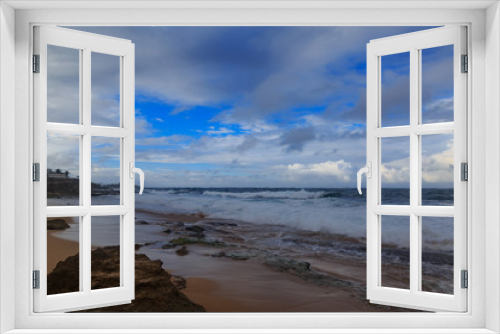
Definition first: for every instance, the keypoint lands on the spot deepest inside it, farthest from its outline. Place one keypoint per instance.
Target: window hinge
(465, 279)
(36, 172)
(464, 171)
(465, 64)
(36, 63)
(36, 279)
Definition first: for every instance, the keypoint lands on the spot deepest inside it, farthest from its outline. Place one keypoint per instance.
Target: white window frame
(414, 43)
(123, 50)
(482, 19)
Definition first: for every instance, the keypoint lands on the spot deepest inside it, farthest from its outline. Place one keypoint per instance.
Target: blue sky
(261, 106)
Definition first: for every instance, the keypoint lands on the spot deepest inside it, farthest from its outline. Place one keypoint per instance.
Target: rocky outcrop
(155, 290)
(57, 224)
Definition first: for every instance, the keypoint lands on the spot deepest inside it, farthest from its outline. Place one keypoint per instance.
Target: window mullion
(414, 171)
(85, 180)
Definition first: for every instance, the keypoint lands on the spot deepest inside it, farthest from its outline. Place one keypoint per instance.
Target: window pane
(437, 254)
(105, 252)
(63, 259)
(395, 171)
(437, 84)
(395, 86)
(105, 171)
(437, 169)
(105, 90)
(63, 85)
(395, 251)
(63, 169)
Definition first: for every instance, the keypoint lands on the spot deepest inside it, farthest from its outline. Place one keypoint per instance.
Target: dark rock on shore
(141, 222)
(57, 224)
(181, 241)
(222, 224)
(155, 290)
(195, 231)
(182, 251)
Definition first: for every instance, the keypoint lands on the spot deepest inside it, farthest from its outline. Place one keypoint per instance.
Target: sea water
(334, 210)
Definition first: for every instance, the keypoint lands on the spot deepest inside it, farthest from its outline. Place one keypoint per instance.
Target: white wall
(492, 163)
(7, 160)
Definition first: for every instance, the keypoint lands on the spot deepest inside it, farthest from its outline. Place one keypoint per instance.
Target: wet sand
(251, 287)
(228, 284)
(59, 249)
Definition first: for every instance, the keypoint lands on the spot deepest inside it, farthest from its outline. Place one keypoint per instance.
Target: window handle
(139, 171)
(368, 170)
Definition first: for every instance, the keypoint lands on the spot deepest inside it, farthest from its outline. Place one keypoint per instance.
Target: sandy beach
(224, 272)
(58, 249)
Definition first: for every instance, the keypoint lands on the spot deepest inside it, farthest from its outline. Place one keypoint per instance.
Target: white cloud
(438, 168)
(220, 131)
(397, 171)
(339, 169)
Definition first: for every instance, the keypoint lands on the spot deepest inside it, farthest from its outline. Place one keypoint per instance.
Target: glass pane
(395, 251)
(437, 254)
(105, 171)
(105, 90)
(105, 255)
(437, 84)
(63, 259)
(437, 169)
(395, 171)
(63, 169)
(395, 83)
(63, 85)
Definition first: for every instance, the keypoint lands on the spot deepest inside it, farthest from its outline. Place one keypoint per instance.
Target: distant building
(58, 174)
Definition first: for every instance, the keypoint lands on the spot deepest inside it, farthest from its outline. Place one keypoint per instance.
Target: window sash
(413, 43)
(86, 297)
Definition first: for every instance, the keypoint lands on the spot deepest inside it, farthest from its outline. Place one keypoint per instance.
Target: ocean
(300, 224)
(334, 210)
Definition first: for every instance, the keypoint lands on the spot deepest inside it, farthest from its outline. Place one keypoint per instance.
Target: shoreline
(222, 280)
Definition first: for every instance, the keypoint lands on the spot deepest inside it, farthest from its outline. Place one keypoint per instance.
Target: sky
(253, 106)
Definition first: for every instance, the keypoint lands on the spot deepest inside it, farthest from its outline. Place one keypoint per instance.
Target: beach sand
(223, 284)
(59, 249)
(251, 287)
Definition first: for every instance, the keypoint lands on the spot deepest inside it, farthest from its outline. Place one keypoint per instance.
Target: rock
(154, 287)
(179, 282)
(167, 231)
(237, 255)
(196, 231)
(182, 251)
(222, 224)
(187, 241)
(178, 224)
(199, 215)
(181, 241)
(195, 228)
(57, 224)
(141, 222)
(284, 264)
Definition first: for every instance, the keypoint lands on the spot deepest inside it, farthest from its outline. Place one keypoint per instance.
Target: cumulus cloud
(437, 164)
(339, 169)
(437, 167)
(396, 172)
